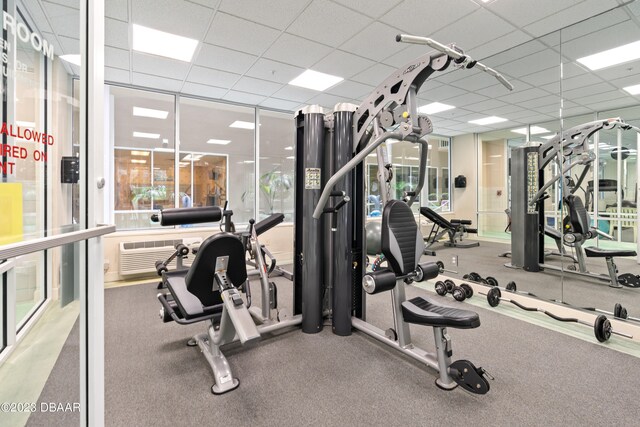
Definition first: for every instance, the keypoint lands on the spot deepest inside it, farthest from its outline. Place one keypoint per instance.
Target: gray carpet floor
(550, 285)
(541, 377)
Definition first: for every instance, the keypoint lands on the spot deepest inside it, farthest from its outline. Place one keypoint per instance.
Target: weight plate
(492, 281)
(602, 328)
(511, 286)
(475, 276)
(441, 288)
(450, 285)
(391, 334)
(440, 265)
(459, 294)
(465, 277)
(493, 297)
(623, 313)
(468, 290)
(617, 310)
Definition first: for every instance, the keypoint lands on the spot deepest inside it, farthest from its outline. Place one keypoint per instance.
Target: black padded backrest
(402, 242)
(577, 214)
(436, 218)
(200, 278)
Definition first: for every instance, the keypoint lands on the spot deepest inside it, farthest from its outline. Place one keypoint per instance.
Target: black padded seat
(593, 252)
(189, 305)
(423, 311)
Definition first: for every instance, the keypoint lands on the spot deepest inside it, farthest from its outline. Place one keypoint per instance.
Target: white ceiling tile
(279, 104)
(328, 23)
(440, 93)
(615, 103)
(166, 15)
(372, 8)
(498, 44)
(74, 4)
(498, 90)
(516, 115)
(326, 100)
(306, 53)
(203, 90)
(116, 33)
(595, 99)
(568, 16)
(40, 17)
(53, 40)
(377, 42)
(595, 23)
(614, 73)
(274, 71)
(243, 97)
(422, 18)
(535, 118)
(274, 13)
(543, 101)
(117, 75)
(524, 95)
(475, 80)
(455, 114)
(116, 9)
(117, 58)
(465, 99)
(209, 77)
(155, 82)
(582, 92)
(548, 109)
(532, 63)
(224, 59)
(293, 93)
(579, 81)
(374, 75)
(65, 20)
(164, 67)
(632, 79)
(239, 34)
(458, 32)
(406, 55)
(342, 64)
(527, 12)
(487, 105)
(520, 51)
(257, 86)
(544, 77)
(576, 111)
(597, 41)
(350, 90)
(69, 45)
(508, 109)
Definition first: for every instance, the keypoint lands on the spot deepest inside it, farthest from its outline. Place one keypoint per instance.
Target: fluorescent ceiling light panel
(165, 141)
(138, 161)
(289, 148)
(146, 135)
(435, 107)
(248, 161)
(315, 80)
(194, 157)
(291, 158)
(159, 43)
(164, 150)
(242, 125)
(73, 59)
(219, 141)
(547, 137)
(149, 112)
(608, 58)
(140, 153)
(633, 90)
(25, 124)
(535, 130)
(487, 121)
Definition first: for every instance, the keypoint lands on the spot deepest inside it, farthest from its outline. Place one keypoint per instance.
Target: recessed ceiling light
(139, 153)
(615, 56)
(73, 59)
(633, 90)
(315, 80)
(533, 129)
(435, 107)
(183, 164)
(242, 125)
(164, 150)
(219, 141)
(488, 120)
(25, 124)
(289, 148)
(496, 155)
(138, 161)
(159, 43)
(165, 141)
(194, 157)
(248, 161)
(291, 158)
(547, 137)
(146, 135)
(149, 112)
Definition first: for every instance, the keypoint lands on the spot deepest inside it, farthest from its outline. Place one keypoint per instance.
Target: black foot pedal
(472, 379)
(629, 280)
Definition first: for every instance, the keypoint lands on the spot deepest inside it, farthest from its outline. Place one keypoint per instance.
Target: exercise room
(319, 212)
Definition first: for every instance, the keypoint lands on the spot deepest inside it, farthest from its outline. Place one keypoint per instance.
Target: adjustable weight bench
(402, 245)
(455, 229)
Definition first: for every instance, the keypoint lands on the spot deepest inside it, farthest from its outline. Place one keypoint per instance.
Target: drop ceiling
(249, 50)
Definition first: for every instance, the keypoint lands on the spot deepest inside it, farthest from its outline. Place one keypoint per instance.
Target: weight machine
(329, 265)
(568, 149)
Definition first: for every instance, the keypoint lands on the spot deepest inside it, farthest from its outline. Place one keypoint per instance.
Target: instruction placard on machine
(312, 178)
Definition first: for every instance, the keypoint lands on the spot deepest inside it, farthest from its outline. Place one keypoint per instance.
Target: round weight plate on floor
(468, 290)
(602, 328)
(440, 265)
(511, 286)
(493, 297)
(391, 334)
(475, 277)
(465, 277)
(492, 281)
(617, 310)
(441, 288)
(459, 294)
(623, 313)
(450, 284)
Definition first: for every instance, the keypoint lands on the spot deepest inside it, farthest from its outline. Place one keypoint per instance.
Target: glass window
(277, 164)
(217, 159)
(142, 134)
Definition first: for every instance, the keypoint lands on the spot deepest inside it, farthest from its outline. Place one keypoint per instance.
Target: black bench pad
(423, 311)
(189, 305)
(594, 252)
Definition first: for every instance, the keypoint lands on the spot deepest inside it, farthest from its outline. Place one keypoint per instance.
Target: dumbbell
(619, 312)
(475, 277)
(460, 293)
(601, 327)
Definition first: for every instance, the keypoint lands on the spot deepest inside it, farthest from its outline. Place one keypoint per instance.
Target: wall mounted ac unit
(443, 144)
(140, 257)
